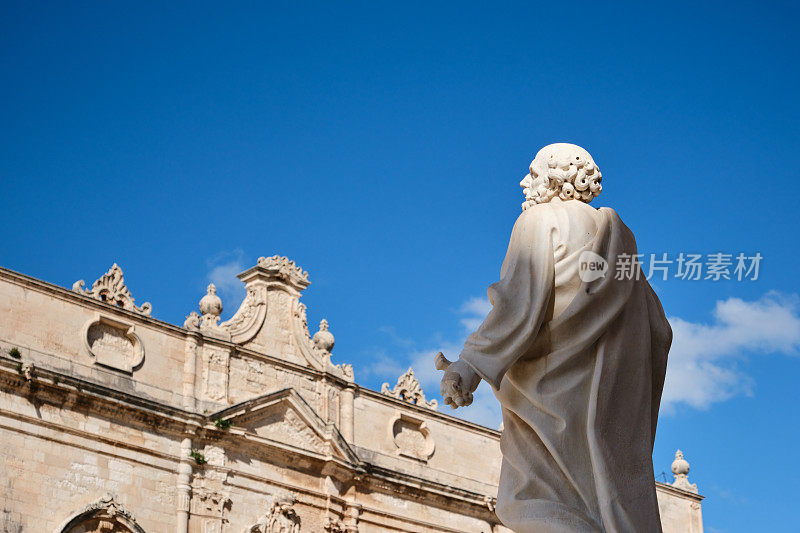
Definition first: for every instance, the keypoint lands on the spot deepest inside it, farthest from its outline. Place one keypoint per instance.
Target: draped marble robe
(578, 368)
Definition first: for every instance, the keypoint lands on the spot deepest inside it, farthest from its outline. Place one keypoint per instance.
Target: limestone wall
(112, 418)
(57, 457)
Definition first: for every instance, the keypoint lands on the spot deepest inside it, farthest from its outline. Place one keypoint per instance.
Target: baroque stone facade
(112, 420)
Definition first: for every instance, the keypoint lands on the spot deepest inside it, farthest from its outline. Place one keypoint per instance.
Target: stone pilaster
(184, 486)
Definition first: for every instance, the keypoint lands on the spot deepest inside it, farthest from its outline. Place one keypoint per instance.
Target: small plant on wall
(15, 353)
(223, 424)
(198, 457)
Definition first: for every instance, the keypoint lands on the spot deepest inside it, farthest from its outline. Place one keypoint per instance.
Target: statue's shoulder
(611, 215)
(536, 214)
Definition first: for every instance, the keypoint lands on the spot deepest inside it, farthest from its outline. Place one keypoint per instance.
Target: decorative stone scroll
(317, 350)
(245, 323)
(412, 437)
(111, 288)
(113, 343)
(409, 390)
(281, 517)
(302, 336)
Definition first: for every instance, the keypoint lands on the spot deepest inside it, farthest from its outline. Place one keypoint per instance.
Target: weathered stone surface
(225, 433)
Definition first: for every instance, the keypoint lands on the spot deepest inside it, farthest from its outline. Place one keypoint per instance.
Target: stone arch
(105, 515)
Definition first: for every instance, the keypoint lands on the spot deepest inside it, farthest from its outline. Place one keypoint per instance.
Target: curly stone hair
(563, 170)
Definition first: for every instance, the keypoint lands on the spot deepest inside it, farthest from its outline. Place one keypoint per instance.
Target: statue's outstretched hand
(458, 383)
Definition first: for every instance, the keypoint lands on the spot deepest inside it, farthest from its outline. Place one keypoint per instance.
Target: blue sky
(380, 146)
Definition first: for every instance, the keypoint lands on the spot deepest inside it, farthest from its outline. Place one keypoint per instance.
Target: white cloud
(476, 310)
(223, 269)
(485, 409)
(382, 366)
(704, 359)
(703, 363)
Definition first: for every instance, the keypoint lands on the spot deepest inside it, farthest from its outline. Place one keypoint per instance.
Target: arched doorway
(105, 515)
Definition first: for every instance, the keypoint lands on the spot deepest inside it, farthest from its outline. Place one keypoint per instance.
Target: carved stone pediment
(111, 288)
(113, 343)
(283, 418)
(409, 390)
(283, 423)
(271, 317)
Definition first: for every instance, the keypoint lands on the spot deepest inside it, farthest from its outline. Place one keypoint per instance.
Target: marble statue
(576, 353)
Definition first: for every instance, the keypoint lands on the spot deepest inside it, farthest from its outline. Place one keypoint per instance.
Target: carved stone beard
(527, 190)
(529, 202)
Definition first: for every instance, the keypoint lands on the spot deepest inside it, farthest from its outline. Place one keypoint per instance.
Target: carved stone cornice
(111, 288)
(279, 270)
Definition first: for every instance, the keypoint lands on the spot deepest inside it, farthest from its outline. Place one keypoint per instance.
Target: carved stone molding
(409, 390)
(281, 516)
(412, 437)
(111, 288)
(113, 343)
(104, 514)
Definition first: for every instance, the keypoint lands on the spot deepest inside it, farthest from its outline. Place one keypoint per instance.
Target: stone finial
(409, 390)
(211, 304)
(111, 288)
(323, 339)
(210, 308)
(680, 468)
